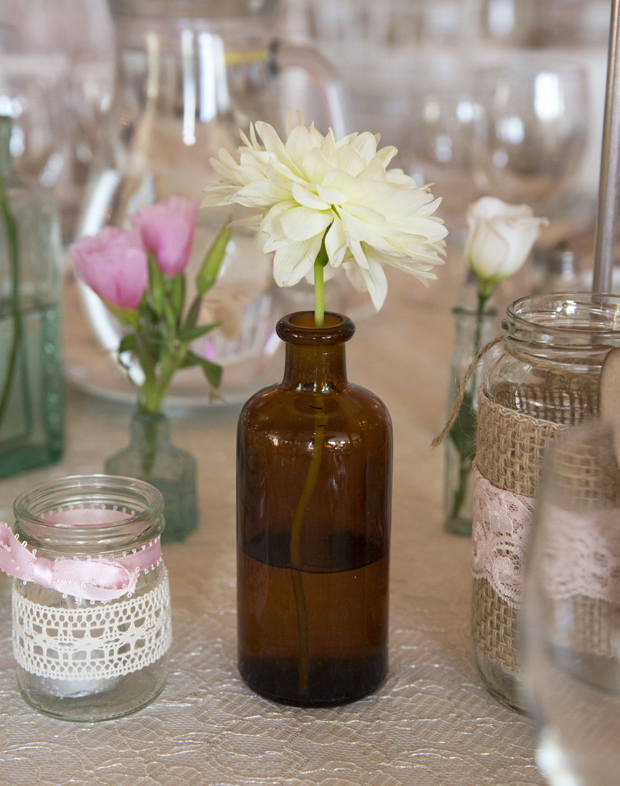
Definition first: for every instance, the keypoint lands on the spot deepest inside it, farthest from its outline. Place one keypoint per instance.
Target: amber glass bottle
(314, 471)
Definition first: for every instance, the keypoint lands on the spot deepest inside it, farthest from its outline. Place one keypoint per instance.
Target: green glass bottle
(151, 456)
(31, 378)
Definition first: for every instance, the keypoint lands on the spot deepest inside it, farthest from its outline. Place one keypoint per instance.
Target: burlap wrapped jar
(545, 380)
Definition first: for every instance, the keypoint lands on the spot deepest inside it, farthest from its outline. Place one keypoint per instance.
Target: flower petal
(371, 280)
(261, 194)
(350, 161)
(366, 146)
(336, 243)
(386, 154)
(274, 145)
(331, 195)
(308, 199)
(316, 166)
(292, 263)
(302, 223)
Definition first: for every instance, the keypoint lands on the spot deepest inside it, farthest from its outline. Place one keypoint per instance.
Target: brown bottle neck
(316, 368)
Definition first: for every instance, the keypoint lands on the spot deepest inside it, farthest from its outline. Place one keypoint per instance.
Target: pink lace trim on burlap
(580, 549)
(581, 553)
(501, 525)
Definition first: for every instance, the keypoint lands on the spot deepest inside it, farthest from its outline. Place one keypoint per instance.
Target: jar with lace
(545, 380)
(91, 604)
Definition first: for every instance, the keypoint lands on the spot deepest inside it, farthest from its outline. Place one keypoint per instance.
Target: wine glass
(437, 144)
(571, 614)
(531, 130)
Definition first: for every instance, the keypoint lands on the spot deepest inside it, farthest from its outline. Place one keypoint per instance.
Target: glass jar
(31, 373)
(472, 330)
(91, 604)
(314, 474)
(545, 381)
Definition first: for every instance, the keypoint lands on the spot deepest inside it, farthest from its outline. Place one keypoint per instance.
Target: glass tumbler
(91, 604)
(571, 614)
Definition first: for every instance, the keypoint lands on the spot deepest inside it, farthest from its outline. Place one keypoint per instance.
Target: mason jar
(545, 380)
(91, 604)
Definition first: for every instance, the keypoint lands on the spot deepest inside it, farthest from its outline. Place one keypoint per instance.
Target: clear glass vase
(151, 457)
(471, 332)
(31, 377)
(189, 75)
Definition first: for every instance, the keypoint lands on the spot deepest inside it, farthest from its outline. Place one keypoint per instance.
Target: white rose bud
(501, 237)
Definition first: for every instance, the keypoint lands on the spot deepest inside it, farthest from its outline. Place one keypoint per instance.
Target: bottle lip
(144, 505)
(298, 328)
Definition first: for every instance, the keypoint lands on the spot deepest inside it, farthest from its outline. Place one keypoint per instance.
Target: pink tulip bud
(114, 264)
(167, 230)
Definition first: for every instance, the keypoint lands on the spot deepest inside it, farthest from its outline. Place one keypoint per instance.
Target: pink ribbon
(90, 579)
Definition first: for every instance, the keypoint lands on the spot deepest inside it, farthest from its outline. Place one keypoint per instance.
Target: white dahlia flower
(313, 190)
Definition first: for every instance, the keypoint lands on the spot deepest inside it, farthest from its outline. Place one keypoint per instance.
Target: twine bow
(91, 579)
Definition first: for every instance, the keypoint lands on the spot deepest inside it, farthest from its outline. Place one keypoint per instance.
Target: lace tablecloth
(432, 723)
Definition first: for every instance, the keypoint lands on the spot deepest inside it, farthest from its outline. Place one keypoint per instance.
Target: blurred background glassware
(437, 144)
(31, 375)
(530, 133)
(56, 66)
(571, 615)
(188, 75)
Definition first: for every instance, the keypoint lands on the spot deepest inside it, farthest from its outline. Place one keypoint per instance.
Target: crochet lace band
(92, 642)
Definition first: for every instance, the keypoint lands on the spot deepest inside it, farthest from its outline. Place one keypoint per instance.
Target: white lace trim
(94, 642)
(581, 553)
(501, 526)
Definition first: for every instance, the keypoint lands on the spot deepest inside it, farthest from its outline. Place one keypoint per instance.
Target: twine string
(460, 394)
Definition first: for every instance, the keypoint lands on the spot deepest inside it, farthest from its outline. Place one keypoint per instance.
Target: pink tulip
(167, 230)
(114, 264)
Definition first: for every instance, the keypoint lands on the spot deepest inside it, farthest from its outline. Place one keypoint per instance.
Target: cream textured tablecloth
(432, 724)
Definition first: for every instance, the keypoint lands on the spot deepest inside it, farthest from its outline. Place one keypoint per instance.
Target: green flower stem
(484, 293)
(483, 296)
(149, 449)
(10, 227)
(459, 494)
(320, 422)
(319, 295)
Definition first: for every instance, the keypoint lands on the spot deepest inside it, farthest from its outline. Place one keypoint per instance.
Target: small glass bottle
(314, 471)
(77, 658)
(151, 457)
(545, 380)
(31, 374)
(471, 332)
